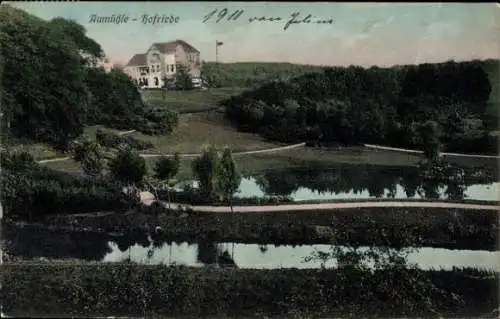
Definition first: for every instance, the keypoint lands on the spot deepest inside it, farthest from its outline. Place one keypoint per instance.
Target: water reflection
(355, 181)
(28, 244)
(252, 256)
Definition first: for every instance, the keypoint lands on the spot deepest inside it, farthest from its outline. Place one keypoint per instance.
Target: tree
(42, 74)
(429, 132)
(92, 51)
(206, 171)
(90, 155)
(115, 100)
(128, 166)
(229, 178)
(183, 80)
(166, 169)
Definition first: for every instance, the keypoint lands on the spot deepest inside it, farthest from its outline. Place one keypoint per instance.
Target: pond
(249, 187)
(32, 243)
(359, 181)
(270, 256)
(95, 247)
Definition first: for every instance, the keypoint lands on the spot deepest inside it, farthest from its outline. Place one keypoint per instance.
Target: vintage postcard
(249, 159)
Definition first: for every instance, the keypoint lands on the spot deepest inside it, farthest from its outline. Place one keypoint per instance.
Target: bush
(31, 191)
(111, 140)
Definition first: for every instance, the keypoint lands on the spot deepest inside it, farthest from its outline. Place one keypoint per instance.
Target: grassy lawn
(38, 150)
(199, 129)
(189, 101)
(251, 164)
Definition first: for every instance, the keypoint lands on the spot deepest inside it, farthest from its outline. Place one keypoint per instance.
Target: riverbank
(75, 288)
(455, 228)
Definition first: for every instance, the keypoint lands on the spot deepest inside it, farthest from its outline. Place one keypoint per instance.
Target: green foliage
(112, 140)
(30, 191)
(77, 33)
(162, 121)
(229, 179)
(166, 168)
(182, 79)
(429, 132)
(51, 87)
(216, 173)
(75, 289)
(89, 154)
(42, 79)
(115, 100)
(128, 166)
(250, 74)
(206, 171)
(375, 105)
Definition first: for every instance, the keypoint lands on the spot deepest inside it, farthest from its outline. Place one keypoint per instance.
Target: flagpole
(217, 52)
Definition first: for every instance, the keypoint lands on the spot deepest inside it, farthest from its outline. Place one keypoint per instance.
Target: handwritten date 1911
(294, 18)
(222, 14)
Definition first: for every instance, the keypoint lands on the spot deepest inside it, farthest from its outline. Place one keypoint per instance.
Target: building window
(171, 68)
(157, 82)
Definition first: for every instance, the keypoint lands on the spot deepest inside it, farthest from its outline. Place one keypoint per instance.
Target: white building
(161, 61)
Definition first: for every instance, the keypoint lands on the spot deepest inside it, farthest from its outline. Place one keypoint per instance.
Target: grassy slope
(189, 101)
(199, 129)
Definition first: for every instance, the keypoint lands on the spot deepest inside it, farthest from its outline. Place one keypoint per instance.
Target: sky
(363, 34)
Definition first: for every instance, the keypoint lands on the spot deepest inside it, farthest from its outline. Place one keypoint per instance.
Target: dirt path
(145, 155)
(403, 150)
(325, 206)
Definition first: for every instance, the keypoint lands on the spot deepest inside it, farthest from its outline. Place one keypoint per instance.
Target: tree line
(388, 106)
(250, 74)
(51, 87)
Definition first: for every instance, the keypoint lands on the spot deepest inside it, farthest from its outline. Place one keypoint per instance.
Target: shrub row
(69, 288)
(112, 140)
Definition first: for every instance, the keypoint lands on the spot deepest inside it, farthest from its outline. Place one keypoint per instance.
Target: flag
(219, 43)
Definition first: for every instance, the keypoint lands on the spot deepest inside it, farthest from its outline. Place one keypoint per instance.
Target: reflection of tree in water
(376, 180)
(278, 183)
(207, 252)
(31, 242)
(211, 253)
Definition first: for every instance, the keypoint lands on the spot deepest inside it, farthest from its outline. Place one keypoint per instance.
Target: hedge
(90, 289)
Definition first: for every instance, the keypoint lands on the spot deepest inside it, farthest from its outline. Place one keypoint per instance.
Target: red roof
(167, 47)
(163, 47)
(137, 60)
